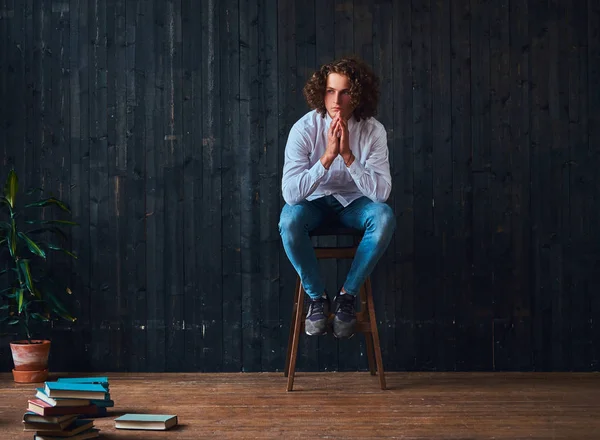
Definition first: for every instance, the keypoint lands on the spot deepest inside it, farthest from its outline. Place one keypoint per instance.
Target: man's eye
(329, 91)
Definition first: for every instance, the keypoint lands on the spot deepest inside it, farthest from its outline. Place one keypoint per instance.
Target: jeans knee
(289, 224)
(384, 223)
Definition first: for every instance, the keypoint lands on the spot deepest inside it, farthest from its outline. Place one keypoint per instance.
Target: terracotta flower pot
(30, 376)
(31, 360)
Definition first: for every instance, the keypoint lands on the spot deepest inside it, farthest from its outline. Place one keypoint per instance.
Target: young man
(337, 170)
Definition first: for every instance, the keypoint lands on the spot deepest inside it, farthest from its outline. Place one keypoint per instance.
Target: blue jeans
(375, 219)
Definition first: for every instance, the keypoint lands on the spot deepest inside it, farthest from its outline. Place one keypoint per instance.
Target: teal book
(102, 380)
(40, 394)
(108, 403)
(76, 390)
(155, 422)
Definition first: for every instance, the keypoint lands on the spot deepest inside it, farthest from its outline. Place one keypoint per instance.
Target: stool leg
(375, 334)
(292, 321)
(296, 338)
(368, 336)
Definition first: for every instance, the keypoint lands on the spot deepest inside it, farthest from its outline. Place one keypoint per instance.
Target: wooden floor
(344, 405)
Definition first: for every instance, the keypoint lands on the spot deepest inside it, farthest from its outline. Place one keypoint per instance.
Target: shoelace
(317, 306)
(346, 304)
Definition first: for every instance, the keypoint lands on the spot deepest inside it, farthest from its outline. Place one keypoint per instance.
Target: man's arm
(373, 178)
(299, 180)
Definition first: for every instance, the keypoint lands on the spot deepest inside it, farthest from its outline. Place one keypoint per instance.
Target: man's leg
(378, 222)
(295, 223)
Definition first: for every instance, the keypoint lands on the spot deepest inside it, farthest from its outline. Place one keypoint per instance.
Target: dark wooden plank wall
(163, 123)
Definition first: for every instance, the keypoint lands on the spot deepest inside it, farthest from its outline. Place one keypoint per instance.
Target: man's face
(337, 96)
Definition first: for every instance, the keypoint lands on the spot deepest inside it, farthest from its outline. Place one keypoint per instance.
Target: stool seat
(366, 322)
(335, 229)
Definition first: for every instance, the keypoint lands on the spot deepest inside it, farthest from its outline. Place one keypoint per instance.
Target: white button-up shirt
(305, 177)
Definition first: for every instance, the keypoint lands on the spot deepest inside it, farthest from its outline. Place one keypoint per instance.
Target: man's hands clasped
(338, 142)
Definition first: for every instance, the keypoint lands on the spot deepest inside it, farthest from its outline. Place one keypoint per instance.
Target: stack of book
(56, 411)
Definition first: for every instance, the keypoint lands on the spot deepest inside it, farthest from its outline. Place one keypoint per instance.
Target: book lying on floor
(44, 409)
(76, 390)
(146, 421)
(92, 433)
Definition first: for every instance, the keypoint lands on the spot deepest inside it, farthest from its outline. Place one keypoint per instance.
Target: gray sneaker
(317, 316)
(344, 321)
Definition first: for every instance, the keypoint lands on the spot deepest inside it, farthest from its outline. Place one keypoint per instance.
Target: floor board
(462, 406)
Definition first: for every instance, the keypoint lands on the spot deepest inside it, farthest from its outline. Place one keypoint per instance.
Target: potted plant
(27, 288)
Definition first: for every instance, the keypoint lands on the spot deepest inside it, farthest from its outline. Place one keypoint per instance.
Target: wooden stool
(366, 321)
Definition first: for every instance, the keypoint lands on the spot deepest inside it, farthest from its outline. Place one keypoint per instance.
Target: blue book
(40, 394)
(102, 380)
(108, 403)
(159, 422)
(76, 390)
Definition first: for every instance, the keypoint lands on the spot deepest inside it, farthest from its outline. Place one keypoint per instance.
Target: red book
(44, 409)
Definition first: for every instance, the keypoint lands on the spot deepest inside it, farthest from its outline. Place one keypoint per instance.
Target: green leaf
(50, 222)
(32, 245)
(49, 201)
(58, 248)
(59, 309)
(33, 190)
(5, 225)
(12, 239)
(13, 322)
(20, 296)
(24, 266)
(39, 317)
(5, 307)
(11, 187)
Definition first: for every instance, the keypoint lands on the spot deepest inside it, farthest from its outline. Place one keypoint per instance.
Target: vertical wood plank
(586, 233)
(211, 268)
(233, 145)
(4, 149)
(274, 314)
(250, 133)
(173, 220)
(80, 170)
(423, 183)
(540, 166)
(135, 286)
(402, 170)
(500, 184)
(460, 245)
(477, 339)
(512, 336)
(193, 178)
(441, 93)
(578, 260)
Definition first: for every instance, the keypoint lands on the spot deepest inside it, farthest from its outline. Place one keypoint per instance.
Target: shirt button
(327, 193)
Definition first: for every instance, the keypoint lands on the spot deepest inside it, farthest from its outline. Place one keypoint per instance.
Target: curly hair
(364, 87)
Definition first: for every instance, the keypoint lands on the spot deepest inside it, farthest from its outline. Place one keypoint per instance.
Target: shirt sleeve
(373, 177)
(300, 180)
